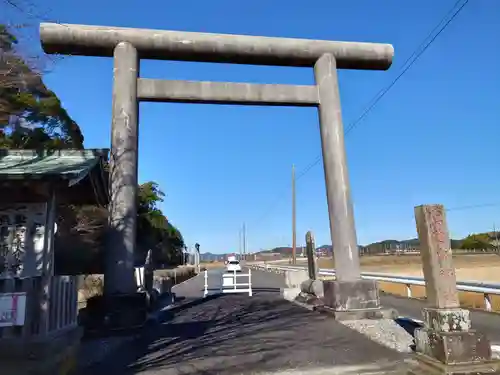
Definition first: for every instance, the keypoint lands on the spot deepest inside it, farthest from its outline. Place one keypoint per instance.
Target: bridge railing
(487, 289)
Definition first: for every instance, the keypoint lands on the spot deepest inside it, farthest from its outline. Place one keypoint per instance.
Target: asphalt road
(488, 323)
(239, 334)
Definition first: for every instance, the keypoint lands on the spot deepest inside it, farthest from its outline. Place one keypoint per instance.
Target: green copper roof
(71, 165)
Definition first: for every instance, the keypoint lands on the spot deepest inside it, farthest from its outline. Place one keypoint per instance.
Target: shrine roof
(81, 170)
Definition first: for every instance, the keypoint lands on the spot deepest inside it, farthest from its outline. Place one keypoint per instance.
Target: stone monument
(447, 343)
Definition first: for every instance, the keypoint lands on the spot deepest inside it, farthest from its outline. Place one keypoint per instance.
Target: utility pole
(239, 243)
(496, 238)
(294, 234)
(244, 242)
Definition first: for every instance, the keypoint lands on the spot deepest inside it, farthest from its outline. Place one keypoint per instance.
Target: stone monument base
(447, 345)
(429, 366)
(453, 347)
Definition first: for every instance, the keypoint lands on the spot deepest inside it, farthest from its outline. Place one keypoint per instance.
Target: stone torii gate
(127, 46)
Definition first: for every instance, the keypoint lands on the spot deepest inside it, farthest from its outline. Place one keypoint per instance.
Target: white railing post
(408, 290)
(234, 280)
(249, 282)
(205, 293)
(487, 302)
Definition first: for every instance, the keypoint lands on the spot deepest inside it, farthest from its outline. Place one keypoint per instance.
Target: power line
(410, 61)
(470, 207)
(29, 9)
(406, 66)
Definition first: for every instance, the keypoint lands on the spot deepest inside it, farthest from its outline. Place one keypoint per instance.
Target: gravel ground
(385, 331)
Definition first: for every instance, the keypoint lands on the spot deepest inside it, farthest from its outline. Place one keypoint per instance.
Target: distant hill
(210, 257)
(412, 243)
(373, 248)
(380, 247)
(286, 251)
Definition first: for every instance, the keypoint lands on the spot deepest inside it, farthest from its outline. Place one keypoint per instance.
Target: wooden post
(312, 265)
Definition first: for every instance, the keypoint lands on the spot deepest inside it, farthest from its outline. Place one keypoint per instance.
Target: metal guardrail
(485, 288)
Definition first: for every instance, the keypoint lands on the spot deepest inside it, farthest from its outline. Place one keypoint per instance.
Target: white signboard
(12, 309)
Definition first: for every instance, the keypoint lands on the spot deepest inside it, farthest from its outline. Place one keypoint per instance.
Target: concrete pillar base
(52, 354)
(353, 300)
(351, 295)
(360, 314)
(107, 314)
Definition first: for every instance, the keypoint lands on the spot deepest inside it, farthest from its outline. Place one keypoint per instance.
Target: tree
(476, 241)
(82, 231)
(154, 231)
(26, 104)
(149, 197)
(80, 243)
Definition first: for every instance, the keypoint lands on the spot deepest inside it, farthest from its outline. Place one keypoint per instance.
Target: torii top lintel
(86, 40)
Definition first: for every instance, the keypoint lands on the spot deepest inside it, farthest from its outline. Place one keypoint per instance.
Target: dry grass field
(212, 265)
(93, 285)
(477, 267)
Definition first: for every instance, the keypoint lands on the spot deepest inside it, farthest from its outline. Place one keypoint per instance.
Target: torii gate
(127, 46)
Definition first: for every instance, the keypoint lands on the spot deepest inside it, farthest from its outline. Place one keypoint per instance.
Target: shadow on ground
(238, 334)
(409, 326)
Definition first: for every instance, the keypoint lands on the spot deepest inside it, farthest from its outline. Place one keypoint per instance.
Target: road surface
(238, 334)
(482, 321)
(488, 323)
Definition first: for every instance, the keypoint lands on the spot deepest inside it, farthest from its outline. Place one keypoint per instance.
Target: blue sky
(432, 139)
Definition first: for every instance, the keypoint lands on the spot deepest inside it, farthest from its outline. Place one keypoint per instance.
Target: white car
(233, 266)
